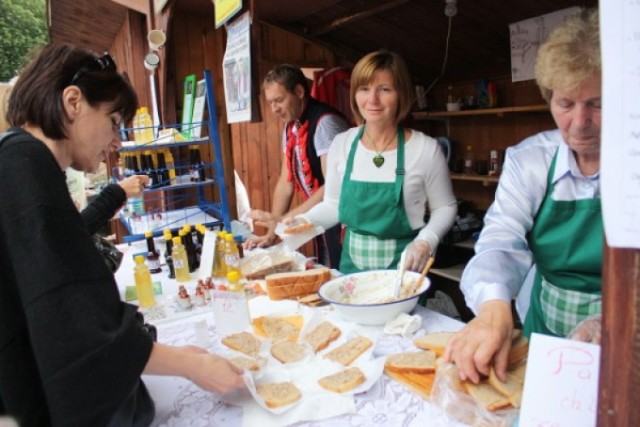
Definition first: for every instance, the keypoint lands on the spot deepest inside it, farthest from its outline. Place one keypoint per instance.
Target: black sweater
(71, 352)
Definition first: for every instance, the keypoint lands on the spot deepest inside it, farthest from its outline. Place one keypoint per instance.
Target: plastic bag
(257, 263)
(448, 394)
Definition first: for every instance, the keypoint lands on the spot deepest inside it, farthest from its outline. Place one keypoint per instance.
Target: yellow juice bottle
(219, 268)
(180, 262)
(144, 285)
(231, 254)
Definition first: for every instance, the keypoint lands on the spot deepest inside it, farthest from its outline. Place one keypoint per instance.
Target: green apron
(566, 241)
(378, 229)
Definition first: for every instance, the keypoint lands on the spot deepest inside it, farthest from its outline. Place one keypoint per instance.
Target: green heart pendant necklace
(378, 159)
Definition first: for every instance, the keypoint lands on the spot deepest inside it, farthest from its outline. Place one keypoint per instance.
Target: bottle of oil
(144, 285)
(180, 262)
(146, 125)
(219, 267)
(153, 256)
(231, 254)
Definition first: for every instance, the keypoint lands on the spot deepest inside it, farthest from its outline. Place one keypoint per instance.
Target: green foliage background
(23, 28)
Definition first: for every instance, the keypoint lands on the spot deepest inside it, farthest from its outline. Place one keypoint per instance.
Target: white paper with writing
(208, 254)
(620, 152)
(230, 312)
(561, 384)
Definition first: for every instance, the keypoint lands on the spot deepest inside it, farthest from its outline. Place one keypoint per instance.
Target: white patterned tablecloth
(387, 403)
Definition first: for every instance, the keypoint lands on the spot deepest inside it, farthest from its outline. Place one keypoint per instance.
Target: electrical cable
(446, 56)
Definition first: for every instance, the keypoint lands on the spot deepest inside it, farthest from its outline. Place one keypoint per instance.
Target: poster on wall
(526, 36)
(620, 151)
(225, 10)
(236, 69)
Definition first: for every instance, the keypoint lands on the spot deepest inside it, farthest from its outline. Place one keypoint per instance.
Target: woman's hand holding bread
(484, 342)
(213, 373)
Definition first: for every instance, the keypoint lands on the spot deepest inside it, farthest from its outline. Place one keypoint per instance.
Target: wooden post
(619, 395)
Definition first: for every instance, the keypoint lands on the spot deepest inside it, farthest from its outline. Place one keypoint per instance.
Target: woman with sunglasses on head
(71, 353)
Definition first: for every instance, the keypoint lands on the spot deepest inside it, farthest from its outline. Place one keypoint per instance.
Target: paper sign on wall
(561, 384)
(230, 312)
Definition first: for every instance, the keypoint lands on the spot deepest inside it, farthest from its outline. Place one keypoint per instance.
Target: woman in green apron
(546, 213)
(381, 176)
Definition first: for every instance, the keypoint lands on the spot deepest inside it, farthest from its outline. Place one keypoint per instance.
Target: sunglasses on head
(102, 63)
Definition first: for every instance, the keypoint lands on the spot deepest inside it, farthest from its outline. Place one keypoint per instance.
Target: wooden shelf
(484, 179)
(426, 115)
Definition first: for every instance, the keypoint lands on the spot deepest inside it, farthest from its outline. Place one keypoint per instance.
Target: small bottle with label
(468, 161)
(168, 239)
(219, 267)
(494, 163)
(180, 262)
(235, 282)
(231, 254)
(144, 285)
(153, 256)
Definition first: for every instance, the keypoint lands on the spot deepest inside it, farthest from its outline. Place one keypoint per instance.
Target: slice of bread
(322, 336)
(278, 394)
(518, 352)
(260, 265)
(280, 329)
(243, 342)
(349, 351)
(419, 362)
(288, 351)
(299, 228)
(487, 396)
(436, 341)
(342, 381)
(506, 388)
(245, 363)
(296, 283)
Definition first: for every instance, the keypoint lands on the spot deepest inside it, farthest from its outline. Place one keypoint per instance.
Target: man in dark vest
(308, 133)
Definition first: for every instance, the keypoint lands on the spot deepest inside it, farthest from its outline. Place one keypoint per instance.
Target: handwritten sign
(230, 312)
(620, 151)
(561, 384)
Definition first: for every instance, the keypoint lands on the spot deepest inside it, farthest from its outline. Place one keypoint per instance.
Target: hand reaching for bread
(214, 373)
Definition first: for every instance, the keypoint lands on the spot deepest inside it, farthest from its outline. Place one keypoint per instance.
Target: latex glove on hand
(417, 254)
(589, 330)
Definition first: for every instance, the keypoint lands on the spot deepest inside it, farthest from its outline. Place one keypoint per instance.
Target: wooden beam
(365, 13)
(619, 388)
(141, 6)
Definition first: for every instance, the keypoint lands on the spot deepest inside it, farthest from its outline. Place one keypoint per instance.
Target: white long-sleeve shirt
(426, 179)
(503, 258)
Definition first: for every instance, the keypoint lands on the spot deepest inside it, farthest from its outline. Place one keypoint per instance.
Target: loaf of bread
(419, 362)
(288, 351)
(278, 394)
(254, 267)
(296, 283)
(322, 336)
(342, 381)
(349, 351)
(243, 342)
(436, 341)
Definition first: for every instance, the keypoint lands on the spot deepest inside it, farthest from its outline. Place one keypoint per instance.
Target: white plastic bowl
(352, 296)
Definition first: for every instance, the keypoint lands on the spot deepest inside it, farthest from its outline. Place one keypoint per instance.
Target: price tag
(561, 384)
(230, 312)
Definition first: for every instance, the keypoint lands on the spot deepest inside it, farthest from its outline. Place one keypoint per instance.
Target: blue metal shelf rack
(176, 210)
